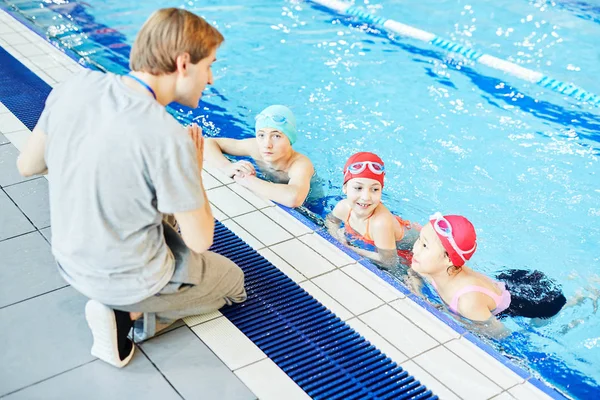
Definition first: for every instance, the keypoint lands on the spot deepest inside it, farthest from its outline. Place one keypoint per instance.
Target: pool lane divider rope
(389, 25)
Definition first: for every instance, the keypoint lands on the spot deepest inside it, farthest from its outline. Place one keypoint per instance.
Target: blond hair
(168, 33)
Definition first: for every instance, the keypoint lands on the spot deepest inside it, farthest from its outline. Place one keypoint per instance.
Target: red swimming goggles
(360, 166)
(442, 227)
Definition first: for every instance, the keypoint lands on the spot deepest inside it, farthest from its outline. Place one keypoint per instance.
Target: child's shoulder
(342, 207)
(382, 216)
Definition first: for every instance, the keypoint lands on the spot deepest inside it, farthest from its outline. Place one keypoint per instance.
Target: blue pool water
(520, 161)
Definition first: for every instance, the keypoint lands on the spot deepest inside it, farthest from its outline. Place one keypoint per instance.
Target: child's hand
(196, 135)
(240, 168)
(244, 179)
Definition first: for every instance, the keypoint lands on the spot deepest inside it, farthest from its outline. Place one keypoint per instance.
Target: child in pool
(439, 256)
(369, 227)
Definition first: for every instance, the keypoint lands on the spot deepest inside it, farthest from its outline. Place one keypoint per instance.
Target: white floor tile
(32, 36)
(243, 234)
(217, 174)
(18, 138)
(45, 61)
(13, 52)
(14, 39)
(484, 363)
(228, 343)
(17, 26)
(436, 387)
(263, 228)
(327, 250)
(218, 214)
(375, 284)
(199, 319)
(348, 292)
(425, 320)
(291, 224)
(29, 65)
(29, 49)
(209, 181)
(3, 109)
(323, 298)
(46, 78)
(268, 382)
(301, 257)
(59, 74)
(456, 374)
(527, 391)
(399, 331)
(251, 197)
(229, 202)
(5, 29)
(283, 266)
(75, 67)
(10, 123)
(503, 396)
(376, 340)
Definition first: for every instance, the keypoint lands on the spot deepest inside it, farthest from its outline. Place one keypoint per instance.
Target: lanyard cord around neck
(144, 84)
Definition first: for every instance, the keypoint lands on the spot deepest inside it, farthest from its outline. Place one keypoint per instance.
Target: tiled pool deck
(46, 343)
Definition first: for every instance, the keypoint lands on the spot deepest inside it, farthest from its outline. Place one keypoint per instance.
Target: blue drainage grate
(21, 91)
(322, 354)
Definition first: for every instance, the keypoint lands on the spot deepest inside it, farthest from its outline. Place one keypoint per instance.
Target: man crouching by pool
(287, 173)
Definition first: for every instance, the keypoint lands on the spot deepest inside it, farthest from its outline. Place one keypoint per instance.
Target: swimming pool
(521, 162)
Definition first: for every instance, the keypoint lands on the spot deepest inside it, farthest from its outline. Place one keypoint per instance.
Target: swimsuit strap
(366, 237)
(403, 224)
(498, 298)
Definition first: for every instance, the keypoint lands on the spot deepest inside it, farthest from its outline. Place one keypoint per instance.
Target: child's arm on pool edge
(333, 221)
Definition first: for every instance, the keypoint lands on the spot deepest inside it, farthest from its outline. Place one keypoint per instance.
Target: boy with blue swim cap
(279, 117)
(288, 173)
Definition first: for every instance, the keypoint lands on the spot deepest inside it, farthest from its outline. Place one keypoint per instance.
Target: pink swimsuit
(502, 300)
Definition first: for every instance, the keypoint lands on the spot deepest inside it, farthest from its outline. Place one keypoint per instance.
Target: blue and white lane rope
(396, 27)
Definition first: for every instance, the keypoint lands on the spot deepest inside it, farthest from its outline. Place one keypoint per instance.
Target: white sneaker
(103, 324)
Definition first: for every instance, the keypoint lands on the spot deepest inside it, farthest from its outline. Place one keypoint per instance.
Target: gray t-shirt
(116, 161)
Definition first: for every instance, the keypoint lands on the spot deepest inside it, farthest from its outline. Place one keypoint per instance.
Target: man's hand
(240, 169)
(196, 134)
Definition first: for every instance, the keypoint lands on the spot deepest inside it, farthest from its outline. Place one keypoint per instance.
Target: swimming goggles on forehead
(278, 119)
(358, 167)
(442, 226)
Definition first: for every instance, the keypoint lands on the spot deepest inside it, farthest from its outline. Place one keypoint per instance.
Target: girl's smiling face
(364, 195)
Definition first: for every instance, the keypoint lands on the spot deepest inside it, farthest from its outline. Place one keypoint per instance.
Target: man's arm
(197, 226)
(31, 161)
(291, 194)
(215, 148)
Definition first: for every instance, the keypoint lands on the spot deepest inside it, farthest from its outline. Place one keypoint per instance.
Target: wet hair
(169, 33)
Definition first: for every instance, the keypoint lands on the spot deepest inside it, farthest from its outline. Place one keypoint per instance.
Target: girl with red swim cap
(439, 256)
(369, 227)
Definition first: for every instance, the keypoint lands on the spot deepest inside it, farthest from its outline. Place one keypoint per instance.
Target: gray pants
(201, 283)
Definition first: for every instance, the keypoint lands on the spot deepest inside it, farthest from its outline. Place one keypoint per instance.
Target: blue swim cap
(280, 118)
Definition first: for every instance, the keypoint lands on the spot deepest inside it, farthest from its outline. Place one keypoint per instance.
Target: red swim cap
(457, 235)
(364, 165)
